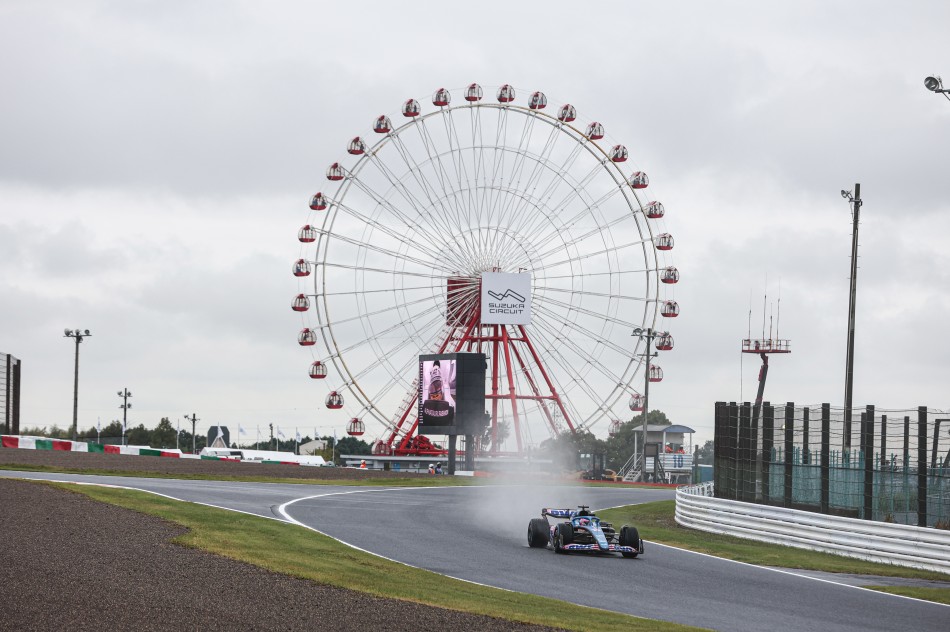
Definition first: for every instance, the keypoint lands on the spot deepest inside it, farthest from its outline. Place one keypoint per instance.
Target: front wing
(612, 548)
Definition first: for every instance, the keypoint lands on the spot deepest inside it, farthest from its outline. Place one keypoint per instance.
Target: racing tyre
(629, 536)
(563, 534)
(539, 532)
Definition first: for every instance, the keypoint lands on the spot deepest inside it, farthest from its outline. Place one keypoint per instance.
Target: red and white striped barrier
(64, 445)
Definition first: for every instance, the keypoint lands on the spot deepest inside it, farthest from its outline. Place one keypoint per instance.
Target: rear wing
(558, 513)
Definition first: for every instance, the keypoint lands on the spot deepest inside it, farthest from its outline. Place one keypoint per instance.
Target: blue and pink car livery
(581, 530)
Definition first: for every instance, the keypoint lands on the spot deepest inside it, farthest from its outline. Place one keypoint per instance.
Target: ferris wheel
(420, 209)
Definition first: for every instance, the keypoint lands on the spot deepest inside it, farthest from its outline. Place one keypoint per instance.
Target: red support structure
(494, 390)
(477, 337)
(511, 386)
(534, 389)
(547, 380)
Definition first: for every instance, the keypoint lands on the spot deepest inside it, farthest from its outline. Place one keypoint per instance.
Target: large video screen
(452, 393)
(438, 399)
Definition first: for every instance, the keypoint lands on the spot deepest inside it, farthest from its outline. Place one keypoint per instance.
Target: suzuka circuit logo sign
(506, 298)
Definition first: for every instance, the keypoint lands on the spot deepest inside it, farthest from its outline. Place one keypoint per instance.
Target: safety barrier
(65, 445)
(902, 545)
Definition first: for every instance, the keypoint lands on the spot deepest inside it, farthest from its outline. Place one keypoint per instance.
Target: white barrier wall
(899, 544)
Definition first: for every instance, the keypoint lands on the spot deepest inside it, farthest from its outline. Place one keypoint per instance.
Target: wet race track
(478, 534)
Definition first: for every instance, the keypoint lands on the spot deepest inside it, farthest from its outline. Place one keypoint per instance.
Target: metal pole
(125, 395)
(646, 407)
(76, 389)
(849, 371)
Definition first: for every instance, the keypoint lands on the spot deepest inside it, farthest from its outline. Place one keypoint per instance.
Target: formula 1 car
(582, 531)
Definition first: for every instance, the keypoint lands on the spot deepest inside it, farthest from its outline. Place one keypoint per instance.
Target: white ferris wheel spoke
(421, 215)
(592, 313)
(574, 379)
(364, 246)
(435, 158)
(598, 403)
(518, 161)
(399, 273)
(438, 201)
(588, 255)
(411, 224)
(598, 231)
(373, 337)
(592, 336)
(556, 178)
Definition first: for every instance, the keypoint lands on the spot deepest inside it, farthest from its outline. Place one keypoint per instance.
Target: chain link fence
(876, 464)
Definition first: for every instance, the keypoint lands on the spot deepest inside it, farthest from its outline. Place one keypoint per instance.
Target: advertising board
(451, 397)
(506, 298)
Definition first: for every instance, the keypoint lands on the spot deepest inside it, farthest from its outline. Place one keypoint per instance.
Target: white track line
(291, 520)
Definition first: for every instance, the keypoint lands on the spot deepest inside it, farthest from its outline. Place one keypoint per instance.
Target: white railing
(903, 545)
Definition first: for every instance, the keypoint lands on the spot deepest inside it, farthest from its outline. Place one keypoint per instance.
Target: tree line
(565, 450)
(166, 436)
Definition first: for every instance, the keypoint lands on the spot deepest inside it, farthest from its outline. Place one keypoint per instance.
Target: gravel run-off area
(71, 563)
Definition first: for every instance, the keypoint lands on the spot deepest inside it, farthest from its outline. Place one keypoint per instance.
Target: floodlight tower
(764, 347)
(78, 335)
(125, 406)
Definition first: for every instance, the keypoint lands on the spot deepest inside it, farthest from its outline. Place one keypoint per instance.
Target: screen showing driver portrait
(438, 392)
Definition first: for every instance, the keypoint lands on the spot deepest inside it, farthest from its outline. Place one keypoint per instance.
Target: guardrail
(902, 545)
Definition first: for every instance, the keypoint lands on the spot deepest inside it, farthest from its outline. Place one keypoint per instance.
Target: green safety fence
(871, 464)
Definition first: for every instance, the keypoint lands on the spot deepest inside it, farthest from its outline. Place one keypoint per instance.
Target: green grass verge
(940, 595)
(296, 551)
(432, 481)
(656, 523)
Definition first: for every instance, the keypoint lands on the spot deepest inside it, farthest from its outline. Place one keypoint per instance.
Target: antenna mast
(764, 347)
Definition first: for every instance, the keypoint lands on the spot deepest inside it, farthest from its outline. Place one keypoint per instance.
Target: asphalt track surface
(478, 534)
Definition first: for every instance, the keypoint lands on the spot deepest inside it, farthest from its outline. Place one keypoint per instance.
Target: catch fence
(886, 465)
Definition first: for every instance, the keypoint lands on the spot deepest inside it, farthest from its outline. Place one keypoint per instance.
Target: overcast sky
(156, 158)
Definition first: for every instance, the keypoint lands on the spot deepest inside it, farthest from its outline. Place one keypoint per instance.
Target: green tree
(111, 433)
(352, 445)
(59, 433)
(566, 449)
(704, 453)
(139, 435)
(620, 447)
(185, 441)
(164, 435)
(504, 431)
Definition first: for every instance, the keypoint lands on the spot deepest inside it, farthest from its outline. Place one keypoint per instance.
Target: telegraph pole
(125, 406)
(78, 335)
(193, 419)
(645, 334)
(855, 202)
